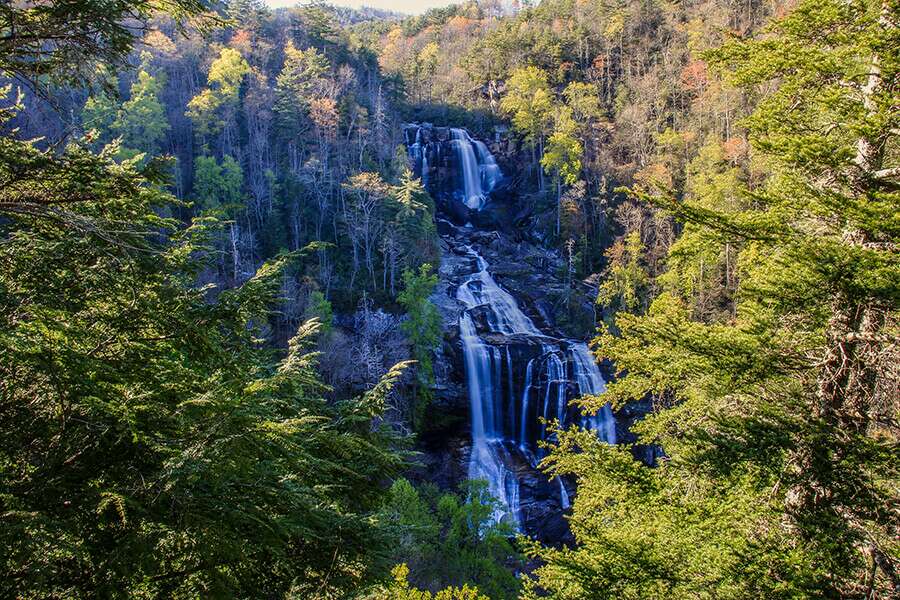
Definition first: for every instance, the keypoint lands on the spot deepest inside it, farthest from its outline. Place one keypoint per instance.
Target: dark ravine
(505, 362)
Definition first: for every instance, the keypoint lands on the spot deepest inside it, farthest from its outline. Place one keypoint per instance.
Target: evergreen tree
(64, 41)
(141, 122)
(780, 467)
(217, 185)
(152, 446)
(449, 539)
(302, 79)
(422, 328)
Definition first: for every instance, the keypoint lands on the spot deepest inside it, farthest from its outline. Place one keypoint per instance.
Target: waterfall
(471, 177)
(489, 170)
(556, 377)
(504, 349)
(493, 401)
(490, 459)
(523, 430)
(478, 174)
(504, 314)
(563, 494)
(590, 382)
(478, 168)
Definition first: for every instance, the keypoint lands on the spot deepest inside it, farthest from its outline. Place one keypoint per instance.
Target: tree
(626, 282)
(425, 65)
(413, 220)
(152, 447)
(401, 590)
(563, 155)
(100, 112)
(318, 307)
(422, 328)
(64, 41)
(367, 193)
(214, 109)
(529, 101)
(301, 81)
(449, 539)
(142, 119)
(778, 423)
(217, 185)
(220, 187)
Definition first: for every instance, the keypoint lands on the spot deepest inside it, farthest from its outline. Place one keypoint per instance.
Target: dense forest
(570, 299)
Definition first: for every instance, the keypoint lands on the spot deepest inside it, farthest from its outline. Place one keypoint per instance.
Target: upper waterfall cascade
(478, 168)
(477, 171)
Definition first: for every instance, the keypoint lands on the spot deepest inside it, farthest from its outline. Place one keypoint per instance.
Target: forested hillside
(573, 299)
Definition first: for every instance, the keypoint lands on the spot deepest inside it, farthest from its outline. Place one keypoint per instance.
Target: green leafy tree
(214, 109)
(584, 101)
(318, 307)
(563, 155)
(424, 67)
(99, 113)
(414, 219)
(529, 101)
(140, 121)
(450, 540)
(626, 283)
(702, 266)
(302, 79)
(217, 185)
(780, 469)
(400, 589)
(423, 329)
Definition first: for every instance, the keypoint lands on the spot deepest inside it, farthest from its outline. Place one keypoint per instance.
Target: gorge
(520, 372)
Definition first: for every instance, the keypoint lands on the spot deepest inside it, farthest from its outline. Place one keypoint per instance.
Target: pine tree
(141, 122)
(302, 79)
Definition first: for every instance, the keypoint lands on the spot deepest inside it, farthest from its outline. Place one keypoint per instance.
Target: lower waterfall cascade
(519, 378)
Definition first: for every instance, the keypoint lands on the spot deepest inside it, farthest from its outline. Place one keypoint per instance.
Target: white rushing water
(591, 382)
(478, 168)
(488, 168)
(495, 427)
(490, 459)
